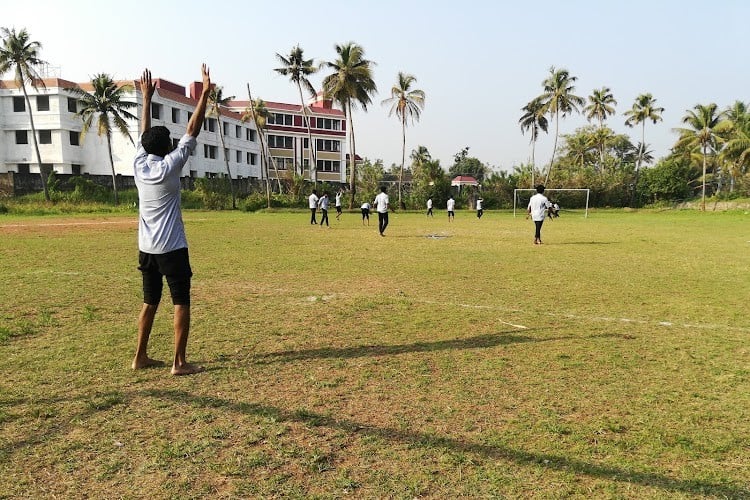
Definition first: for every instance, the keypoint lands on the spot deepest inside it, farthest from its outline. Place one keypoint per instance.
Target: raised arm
(147, 89)
(196, 121)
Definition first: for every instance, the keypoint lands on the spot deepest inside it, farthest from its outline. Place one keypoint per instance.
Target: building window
(209, 151)
(237, 131)
(175, 115)
(72, 105)
(190, 115)
(76, 169)
(253, 159)
(280, 141)
(281, 119)
(328, 145)
(329, 124)
(156, 111)
(42, 103)
(283, 163)
(23, 168)
(306, 143)
(19, 104)
(75, 138)
(22, 137)
(306, 164)
(225, 129)
(45, 137)
(226, 154)
(250, 135)
(211, 125)
(193, 174)
(238, 156)
(329, 166)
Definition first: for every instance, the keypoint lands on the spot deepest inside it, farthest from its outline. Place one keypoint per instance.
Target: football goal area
(571, 201)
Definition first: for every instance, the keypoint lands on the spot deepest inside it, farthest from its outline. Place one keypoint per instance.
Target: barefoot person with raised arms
(163, 249)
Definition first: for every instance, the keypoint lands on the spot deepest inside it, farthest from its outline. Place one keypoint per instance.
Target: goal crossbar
(516, 191)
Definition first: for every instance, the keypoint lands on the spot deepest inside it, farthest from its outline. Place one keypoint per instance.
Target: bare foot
(146, 363)
(187, 369)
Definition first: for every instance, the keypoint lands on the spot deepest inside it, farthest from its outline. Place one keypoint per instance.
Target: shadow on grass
(479, 342)
(494, 452)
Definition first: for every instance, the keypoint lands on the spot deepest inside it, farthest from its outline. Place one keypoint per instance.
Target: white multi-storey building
(288, 142)
(62, 149)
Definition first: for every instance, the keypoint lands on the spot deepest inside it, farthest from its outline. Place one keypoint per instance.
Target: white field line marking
(666, 324)
(83, 223)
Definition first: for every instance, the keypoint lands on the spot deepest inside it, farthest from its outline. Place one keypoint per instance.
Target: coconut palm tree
(533, 119)
(559, 99)
(105, 104)
(737, 149)
(215, 102)
(644, 109)
(407, 103)
(20, 55)
(601, 105)
(705, 127)
(297, 68)
(351, 85)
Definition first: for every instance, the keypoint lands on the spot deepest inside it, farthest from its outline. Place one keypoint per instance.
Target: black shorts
(365, 213)
(175, 266)
(338, 209)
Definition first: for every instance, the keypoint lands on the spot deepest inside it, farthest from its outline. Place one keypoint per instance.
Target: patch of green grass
(609, 362)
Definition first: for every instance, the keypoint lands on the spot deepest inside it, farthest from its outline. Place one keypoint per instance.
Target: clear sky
(479, 62)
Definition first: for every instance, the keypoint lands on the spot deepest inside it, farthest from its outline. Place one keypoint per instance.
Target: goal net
(570, 200)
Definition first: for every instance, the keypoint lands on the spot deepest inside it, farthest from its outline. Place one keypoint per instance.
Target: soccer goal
(570, 200)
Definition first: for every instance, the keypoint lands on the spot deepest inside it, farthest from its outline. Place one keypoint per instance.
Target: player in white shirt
(429, 207)
(313, 204)
(480, 212)
(381, 206)
(365, 213)
(338, 204)
(451, 205)
(537, 209)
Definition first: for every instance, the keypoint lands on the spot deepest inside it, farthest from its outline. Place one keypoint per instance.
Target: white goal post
(517, 191)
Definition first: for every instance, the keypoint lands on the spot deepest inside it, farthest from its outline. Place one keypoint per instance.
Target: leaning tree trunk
(403, 159)
(703, 193)
(352, 158)
(36, 144)
(112, 166)
(554, 148)
(311, 146)
(226, 159)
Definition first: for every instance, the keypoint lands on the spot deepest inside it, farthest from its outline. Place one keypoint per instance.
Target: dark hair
(156, 141)
(540, 188)
(383, 188)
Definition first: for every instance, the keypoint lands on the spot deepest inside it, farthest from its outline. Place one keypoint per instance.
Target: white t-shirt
(451, 204)
(479, 204)
(323, 203)
(538, 206)
(160, 227)
(429, 203)
(381, 203)
(365, 206)
(313, 201)
(338, 199)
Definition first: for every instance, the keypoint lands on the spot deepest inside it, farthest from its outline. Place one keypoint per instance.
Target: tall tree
(351, 85)
(737, 149)
(21, 55)
(644, 109)
(107, 106)
(559, 99)
(297, 68)
(533, 119)
(216, 101)
(601, 105)
(259, 114)
(705, 127)
(407, 103)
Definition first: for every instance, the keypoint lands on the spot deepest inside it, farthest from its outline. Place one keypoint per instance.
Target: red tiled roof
(295, 108)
